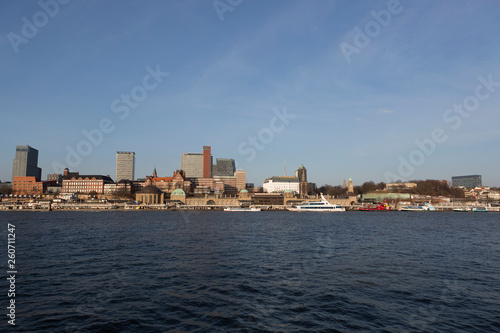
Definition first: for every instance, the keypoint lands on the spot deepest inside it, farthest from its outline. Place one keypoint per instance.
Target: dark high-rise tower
(26, 163)
(224, 167)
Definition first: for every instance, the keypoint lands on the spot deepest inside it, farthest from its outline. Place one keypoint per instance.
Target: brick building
(85, 183)
(30, 185)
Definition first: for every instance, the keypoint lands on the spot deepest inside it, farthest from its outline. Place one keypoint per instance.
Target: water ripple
(266, 272)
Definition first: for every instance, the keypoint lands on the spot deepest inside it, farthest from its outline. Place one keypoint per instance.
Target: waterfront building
(169, 184)
(125, 166)
(150, 195)
(297, 184)
(30, 185)
(470, 181)
(25, 163)
(280, 184)
(268, 199)
(178, 195)
(85, 183)
(121, 187)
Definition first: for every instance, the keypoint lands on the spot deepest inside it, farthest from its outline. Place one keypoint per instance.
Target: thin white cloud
(385, 111)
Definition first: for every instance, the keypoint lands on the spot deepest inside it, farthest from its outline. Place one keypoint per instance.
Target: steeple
(350, 187)
(154, 172)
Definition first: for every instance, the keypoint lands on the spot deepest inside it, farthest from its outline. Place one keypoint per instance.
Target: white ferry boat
(427, 207)
(317, 206)
(242, 209)
(462, 209)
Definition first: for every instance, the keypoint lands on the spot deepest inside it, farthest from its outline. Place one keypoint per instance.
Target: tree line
(424, 187)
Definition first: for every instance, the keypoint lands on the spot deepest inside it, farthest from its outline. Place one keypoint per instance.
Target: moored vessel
(426, 207)
(242, 209)
(317, 206)
(381, 207)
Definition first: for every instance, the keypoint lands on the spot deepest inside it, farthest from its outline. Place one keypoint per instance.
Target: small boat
(382, 207)
(462, 209)
(242, 209)
(317, 206)
(479, 209)
(422, 208)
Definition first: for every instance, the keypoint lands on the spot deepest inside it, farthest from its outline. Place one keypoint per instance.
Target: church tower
(350, 188)
(301, 174)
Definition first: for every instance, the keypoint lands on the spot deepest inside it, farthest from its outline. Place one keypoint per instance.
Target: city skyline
(198, 168)
(368, 90)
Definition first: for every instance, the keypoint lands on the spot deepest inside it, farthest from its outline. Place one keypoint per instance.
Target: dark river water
(254, 272)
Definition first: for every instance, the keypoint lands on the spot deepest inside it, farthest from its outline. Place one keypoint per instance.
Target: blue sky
(262, 82)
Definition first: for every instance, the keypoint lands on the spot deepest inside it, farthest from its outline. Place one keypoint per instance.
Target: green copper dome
(178, 191)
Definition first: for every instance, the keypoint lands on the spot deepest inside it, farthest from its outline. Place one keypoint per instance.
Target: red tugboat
(381, 207)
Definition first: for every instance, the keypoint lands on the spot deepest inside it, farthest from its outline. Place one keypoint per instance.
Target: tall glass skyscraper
(192, 165)
(197, 165)
(224, 167)
(125, 166)
(26, 163)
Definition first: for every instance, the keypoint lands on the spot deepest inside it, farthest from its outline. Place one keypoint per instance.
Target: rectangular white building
(125, 166)
(281, 184)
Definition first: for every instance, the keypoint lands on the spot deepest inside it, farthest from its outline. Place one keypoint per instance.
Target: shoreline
(211, 209)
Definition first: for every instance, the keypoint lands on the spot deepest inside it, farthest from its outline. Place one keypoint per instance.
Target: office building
(30, 185)
(125, 166)
(281, 184)
(297, 184)
(197, 165)
(85, 184)
(192, 165)
(470, 181)
(26, 163)
(224, 167)
(231, 185)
